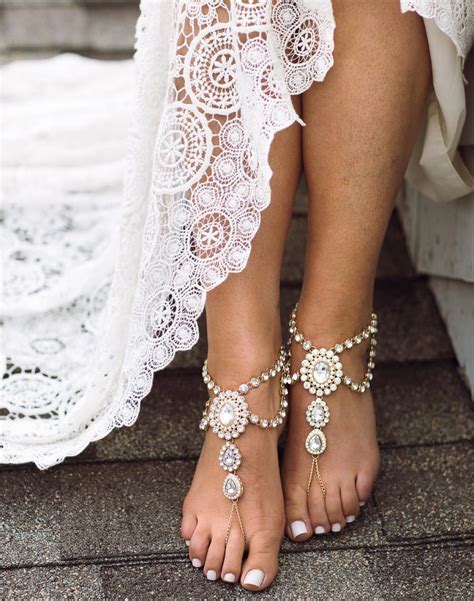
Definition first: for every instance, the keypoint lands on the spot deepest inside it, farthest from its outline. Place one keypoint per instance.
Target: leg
(362, 123)
(243, 323)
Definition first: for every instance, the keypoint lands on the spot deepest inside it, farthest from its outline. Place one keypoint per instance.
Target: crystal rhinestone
(255, 382)
(317, 413)
(233, 487)
(243, 388)
(348, 343)
(354, 386)
(254, 419)
(306, 346)
(264, 423)
(315, 442)
(339, 348)
(321, 372)
(347, 380)
(204, 423)
(227, 414)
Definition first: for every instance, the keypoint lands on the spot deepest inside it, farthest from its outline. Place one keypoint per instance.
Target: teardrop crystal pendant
(233, 487)
(230, 457)
(315, 442)
(317, 414)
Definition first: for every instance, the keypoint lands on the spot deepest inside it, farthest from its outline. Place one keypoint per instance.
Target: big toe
(298, 523)
(261, 566)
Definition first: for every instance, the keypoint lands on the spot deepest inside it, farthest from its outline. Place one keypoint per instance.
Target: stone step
(68, 25)
(351, 574)
(131, 510)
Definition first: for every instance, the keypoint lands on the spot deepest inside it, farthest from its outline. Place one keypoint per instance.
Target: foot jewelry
(321, 372)
(228, 415)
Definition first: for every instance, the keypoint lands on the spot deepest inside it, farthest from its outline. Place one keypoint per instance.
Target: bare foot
(206, 510)
(350, 462)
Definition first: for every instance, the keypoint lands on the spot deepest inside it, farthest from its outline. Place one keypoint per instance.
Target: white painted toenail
(254, 577)
(188, 542)
(229, 577)
(361, 503)
(320, 530)
(336, 527)
(211, 575)
(350, 518)
(196, 562)
(297, 528)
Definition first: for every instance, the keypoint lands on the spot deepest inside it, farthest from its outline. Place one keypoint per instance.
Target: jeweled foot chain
(228, 415)
(321, 372)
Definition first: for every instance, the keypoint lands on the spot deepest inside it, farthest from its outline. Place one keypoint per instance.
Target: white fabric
(98, 295)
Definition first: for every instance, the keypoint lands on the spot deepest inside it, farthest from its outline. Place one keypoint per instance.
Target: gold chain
(315, 467)
(235, 507)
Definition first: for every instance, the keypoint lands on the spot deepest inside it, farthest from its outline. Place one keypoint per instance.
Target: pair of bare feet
(276, 502)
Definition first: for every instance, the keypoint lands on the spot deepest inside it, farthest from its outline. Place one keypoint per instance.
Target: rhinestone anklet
(321, 372)
(228, 415)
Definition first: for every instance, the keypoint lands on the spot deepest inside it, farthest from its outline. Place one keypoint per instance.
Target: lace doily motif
(98, 297)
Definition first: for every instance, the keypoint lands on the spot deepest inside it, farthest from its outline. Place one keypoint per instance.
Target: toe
(317, 511)
(334, 508)
(214, 558)
(234, 552)
(188, 525)
(261, 566)
(198, 546)
(298, 523)
(364, 483)
(350, 500)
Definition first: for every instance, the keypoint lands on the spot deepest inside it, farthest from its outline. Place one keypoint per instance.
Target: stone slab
(430, 572)
(422, 403)
(394, 260)
(341, 575)
(29, 517)
(415, 403)
(75, 583)
(426, 492)
(411, 328)
(433, 572)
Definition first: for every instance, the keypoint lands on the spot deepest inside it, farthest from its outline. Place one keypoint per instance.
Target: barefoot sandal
(228, 415)
(321, 372)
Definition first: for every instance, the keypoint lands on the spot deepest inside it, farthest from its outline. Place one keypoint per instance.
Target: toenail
(188, 542)
(229, 577)
(320, 530)
(196, 562)
(211, 575)
(298, 528)
(362, 503)
(336, 527)
(254, 577)
(350, 518)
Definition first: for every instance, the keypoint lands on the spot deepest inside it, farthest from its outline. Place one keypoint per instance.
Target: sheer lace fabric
(98, 295)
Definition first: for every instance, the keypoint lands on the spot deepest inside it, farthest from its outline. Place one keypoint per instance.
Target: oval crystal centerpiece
(233, 487)
(316, 442)
(228, 414)
(321, 371)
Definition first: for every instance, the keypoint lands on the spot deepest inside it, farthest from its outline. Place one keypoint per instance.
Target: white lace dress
(98, 295)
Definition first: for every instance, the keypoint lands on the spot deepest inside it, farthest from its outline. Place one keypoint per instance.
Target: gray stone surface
(422, 403)
(426, 492)
(29, 517)
(75, 583)
(329, 575)
(61, 25)
(431, 572)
